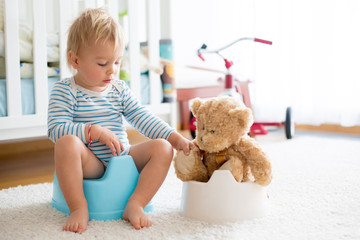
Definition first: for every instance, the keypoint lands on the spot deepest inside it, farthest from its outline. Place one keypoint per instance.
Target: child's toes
(145, 222)
(65, 227)
(74, 227)
(150, 223)
(136, 223)
(81, 229)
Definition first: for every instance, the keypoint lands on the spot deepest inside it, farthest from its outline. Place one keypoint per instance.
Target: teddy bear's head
(221, 122)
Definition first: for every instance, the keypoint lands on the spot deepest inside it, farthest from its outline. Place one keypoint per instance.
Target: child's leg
(73, 162)
(152, 159)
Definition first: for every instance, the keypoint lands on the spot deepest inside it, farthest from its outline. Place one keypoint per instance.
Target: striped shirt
(72, 106)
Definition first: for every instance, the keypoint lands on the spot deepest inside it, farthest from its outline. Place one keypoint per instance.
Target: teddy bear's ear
(195, 106)
(243, 115)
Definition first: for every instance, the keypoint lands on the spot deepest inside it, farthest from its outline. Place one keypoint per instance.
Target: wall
(216, 23)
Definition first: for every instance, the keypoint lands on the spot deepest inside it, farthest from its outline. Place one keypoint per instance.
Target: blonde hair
(94, 25)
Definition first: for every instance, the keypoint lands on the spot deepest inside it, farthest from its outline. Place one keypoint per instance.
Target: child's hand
(181, 143)
(107, 137)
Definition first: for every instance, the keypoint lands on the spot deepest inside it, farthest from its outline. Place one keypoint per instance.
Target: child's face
(97, 65)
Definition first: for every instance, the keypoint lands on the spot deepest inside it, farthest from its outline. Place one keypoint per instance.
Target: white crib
(15, 125)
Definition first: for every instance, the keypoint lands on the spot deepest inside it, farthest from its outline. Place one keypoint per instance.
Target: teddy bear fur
(222, 130)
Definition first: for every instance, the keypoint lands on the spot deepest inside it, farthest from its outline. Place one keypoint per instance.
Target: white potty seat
(222, 199)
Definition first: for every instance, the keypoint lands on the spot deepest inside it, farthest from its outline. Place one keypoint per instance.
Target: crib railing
(18, 126)
(153, 26)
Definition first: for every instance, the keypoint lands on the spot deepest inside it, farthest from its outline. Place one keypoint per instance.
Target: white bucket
(222, 199)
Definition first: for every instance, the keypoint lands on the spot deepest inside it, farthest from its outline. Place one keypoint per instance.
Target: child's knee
(167, 146)
(164, 147)
(67, 142)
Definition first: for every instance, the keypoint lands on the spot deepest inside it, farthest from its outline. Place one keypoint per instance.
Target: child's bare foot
(135, 214)
(77, 221)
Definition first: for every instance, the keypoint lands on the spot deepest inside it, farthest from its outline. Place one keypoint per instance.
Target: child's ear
(73, 59)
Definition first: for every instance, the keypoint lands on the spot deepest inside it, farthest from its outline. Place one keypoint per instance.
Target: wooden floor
(27, 168)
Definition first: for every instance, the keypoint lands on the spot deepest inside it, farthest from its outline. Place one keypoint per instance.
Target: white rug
(315, 195)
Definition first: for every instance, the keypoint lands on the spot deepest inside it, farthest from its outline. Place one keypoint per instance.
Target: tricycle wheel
(192, 125)
(289, 124)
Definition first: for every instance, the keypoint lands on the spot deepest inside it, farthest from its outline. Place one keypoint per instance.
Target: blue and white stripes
(71, 107)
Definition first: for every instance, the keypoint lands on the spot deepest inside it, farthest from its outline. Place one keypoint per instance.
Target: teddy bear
(223, 143)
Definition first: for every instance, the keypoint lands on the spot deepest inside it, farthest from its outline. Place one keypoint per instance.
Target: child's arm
(141, 118)
(60, 113)
(181, 143)
(105, 136)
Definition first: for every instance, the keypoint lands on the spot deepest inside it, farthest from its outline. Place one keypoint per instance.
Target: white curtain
(312, 66)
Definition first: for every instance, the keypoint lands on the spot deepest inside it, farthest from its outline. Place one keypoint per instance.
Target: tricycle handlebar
(262, 41)
(228, 64)
(204, 49)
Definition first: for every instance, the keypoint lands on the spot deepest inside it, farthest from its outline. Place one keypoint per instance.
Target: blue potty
(106, 196)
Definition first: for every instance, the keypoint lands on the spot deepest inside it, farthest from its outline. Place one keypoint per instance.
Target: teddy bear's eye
(212, 131)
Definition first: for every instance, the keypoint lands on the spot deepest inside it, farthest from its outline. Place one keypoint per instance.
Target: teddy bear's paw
(185, 164)
(235, 167)
(264, 180)
(262, 172)
(190, 167)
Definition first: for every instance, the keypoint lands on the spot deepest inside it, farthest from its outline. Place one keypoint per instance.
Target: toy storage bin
(222, 199)
(106, 196)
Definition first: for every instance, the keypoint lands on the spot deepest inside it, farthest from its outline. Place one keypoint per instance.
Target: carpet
(315, 194)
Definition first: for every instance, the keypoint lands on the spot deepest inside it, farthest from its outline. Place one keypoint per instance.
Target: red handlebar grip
(200, 56)
(262, 41)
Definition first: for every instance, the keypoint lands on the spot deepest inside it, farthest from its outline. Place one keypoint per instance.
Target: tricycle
(240, 90)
